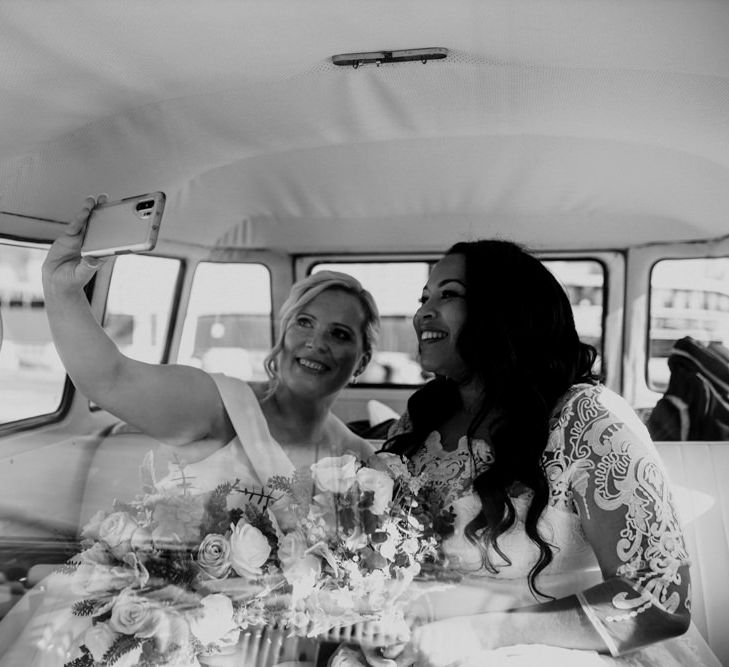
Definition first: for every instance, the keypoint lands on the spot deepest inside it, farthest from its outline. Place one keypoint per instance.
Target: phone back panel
(127, 225)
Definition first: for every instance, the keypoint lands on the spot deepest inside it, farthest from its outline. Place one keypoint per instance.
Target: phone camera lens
(145, 205)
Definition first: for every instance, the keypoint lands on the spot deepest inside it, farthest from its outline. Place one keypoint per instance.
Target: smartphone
(127, 225)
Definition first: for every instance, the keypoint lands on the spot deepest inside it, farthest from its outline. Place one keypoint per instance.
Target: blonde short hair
(303, 292)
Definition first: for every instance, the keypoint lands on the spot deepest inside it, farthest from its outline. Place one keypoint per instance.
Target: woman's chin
(312, 385)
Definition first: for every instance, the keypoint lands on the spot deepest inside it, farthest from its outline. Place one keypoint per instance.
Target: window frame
(650, 385)
(273, 268)
(67, 391)
(176, 296)
(640, 261)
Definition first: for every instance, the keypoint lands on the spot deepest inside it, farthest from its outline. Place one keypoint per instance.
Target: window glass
(689, 297)
(396, 287)
(139, 305)
(32, 374)
(584, 282)
(227, 326)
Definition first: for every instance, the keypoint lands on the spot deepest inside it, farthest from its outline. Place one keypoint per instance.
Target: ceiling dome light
(380, 57)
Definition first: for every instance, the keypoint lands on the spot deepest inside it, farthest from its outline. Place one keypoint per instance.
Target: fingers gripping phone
(124, 226)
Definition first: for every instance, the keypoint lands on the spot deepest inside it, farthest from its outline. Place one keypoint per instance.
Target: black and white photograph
(364, 333)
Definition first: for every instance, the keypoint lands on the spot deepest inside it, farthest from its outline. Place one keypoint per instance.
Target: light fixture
(379, 57)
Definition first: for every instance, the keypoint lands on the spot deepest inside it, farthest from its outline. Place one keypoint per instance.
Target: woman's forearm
(175, 404)
(591, 621)
(558, 623)
(90, 357)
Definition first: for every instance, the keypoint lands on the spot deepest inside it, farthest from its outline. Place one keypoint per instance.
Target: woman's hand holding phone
(64, 269)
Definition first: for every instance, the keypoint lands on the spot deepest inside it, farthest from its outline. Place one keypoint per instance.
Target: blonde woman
(221, 427)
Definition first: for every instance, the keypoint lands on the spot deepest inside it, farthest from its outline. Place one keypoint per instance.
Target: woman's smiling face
(441, 316)
(324, 344)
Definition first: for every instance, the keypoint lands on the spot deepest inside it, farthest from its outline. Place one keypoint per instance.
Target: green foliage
(67, 568)
(174, 567)
(84, 660)
(216, 517)
(151, 656)
(437, 518)
(280, 483)
(85, 607)
(302, 487)
(121, 646)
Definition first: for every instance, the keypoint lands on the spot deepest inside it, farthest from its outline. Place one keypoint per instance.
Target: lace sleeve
(620, 491)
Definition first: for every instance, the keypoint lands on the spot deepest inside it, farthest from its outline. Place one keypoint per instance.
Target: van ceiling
(557, 123)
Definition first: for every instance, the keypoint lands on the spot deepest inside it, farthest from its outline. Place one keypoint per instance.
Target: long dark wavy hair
(519, 339)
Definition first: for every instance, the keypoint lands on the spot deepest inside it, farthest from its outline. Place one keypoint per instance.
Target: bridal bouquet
(355, 536)
(146, 578)
(171, 576)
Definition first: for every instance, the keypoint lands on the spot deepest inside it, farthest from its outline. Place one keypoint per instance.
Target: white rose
(91, 529)
(213, 556)
(249, 549)
(91, 578)
(356, 540)
(98, 639)
(335, 474)
(345, 656)
(214, 620)
(410, 546)
(388, 548)
(97, 554)
(134, 615)
(116, 531)
(300, 568)
(380, 483)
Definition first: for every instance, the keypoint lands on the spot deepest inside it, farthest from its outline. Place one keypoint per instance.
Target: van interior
(369, 136)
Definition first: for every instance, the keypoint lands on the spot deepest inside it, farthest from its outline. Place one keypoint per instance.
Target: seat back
(699, 474)
(114, 471)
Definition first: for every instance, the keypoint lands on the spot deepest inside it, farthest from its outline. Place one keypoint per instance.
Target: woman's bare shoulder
(260, 390)
(348, 442)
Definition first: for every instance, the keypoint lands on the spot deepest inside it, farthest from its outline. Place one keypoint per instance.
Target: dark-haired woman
(565, 526)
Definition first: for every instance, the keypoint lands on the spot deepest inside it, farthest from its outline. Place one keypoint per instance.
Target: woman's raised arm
(175, 404)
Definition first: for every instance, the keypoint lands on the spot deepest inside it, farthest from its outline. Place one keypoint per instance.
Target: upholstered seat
(699, 472)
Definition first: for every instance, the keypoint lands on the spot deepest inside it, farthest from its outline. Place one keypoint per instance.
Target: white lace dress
(608, 499)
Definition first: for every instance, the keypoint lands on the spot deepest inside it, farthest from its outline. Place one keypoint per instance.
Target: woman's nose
(316, 340)
(421, 315)
(425, 311)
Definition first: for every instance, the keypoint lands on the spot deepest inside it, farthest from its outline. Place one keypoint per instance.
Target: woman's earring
(354, 379)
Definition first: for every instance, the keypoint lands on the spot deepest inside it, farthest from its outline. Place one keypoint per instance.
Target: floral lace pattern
(610, 467)
(453, 471)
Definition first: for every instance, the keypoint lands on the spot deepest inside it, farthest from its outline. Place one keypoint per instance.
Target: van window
(396, 287)
(139, 305)
(32, 376)
(688, 297)
(228, 324)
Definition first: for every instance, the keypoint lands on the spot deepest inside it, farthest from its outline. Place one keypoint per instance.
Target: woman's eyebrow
(452, 280)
